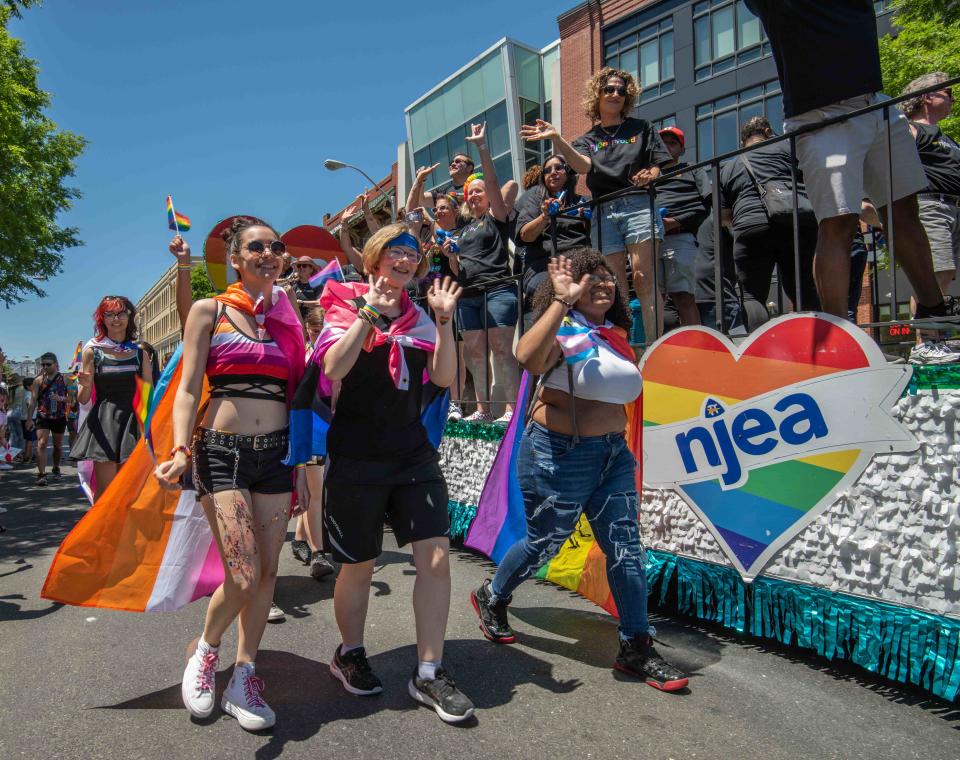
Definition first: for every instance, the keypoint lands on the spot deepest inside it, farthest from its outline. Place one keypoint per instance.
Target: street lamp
(331, 164)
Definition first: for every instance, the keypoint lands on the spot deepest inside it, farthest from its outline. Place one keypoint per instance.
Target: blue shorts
(501, 310)
(624, 221)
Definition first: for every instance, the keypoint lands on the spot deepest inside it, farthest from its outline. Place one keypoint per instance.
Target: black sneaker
(939, 317)
(442, 694)
(638, 658)
(493, 617)
(319, 567)
(41, 480)
(56, 473)
(354, 672)
(301, 551)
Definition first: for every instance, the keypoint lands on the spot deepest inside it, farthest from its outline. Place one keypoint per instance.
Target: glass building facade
(507, 85)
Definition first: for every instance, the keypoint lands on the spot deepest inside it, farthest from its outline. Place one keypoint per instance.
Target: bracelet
(298, 466)
(184, 267)
(558, 298)
(443, 320)
(185, 449)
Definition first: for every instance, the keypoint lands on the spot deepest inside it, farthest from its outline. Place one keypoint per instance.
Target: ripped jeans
(558, 482)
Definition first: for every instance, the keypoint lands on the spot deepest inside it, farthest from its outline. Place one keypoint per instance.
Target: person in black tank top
(111, 363)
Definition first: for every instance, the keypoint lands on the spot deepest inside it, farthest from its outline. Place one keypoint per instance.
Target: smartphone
(413, 216)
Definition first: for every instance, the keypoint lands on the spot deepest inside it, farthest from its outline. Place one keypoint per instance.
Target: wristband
(443, 320)
(185, 449)
(298, 466)
(184, 267)
(560, 300)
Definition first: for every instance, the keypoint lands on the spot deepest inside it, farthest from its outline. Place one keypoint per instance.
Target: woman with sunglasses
(554, 193)
(618, 153)
(574, 459)
(376, 352)
(248, 342)
(110, 364)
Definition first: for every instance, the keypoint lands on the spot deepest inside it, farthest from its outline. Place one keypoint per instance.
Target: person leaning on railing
(760, 242)
(828, 61)
(619, 152)
(940, 199)
(487, 313)
(550, 198)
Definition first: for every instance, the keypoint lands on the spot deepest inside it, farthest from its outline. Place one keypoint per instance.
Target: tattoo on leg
(239, 541)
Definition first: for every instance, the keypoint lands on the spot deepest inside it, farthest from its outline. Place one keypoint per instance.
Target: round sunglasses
(277, 247)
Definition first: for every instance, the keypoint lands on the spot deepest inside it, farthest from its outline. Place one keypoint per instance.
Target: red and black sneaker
(638, 658)
(493, 615)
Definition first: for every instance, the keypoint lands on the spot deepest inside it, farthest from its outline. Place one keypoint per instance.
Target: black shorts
(56, 425)
(361, 495)
(218, 467)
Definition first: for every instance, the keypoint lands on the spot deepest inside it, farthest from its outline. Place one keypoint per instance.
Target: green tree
(942, 11)
(200, 283)
(35, 159)
(922, 45)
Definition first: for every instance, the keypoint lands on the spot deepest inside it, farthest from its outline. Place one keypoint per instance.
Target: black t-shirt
(940, 157)
(572, 231)
(704, 263)
(825, 50)
(686, 197)
(483, 251)
(617, 153)
(375, 420)
(739, 192)
(305, 293)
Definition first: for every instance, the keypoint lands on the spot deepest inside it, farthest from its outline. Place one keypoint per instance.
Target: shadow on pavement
(10, 611)
(306, 697)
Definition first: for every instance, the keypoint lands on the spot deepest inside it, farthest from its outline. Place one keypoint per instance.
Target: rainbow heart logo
(759, 439)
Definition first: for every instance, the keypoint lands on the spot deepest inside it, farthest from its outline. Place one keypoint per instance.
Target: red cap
(676, 132)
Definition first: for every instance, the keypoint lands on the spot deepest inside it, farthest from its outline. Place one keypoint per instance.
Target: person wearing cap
(307, 296)
(684, 202)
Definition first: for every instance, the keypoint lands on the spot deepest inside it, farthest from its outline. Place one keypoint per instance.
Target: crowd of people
(435, 296)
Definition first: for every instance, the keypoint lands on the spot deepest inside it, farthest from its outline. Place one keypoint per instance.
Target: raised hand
(565, 287)
(478, 134)
(380, 295)
(181, 249)
(425, 171)
(443, 296)
(539, 130)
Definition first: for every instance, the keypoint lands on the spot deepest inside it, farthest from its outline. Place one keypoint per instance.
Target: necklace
(615, 132)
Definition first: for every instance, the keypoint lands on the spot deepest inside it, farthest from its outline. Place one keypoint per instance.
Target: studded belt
(274, 440)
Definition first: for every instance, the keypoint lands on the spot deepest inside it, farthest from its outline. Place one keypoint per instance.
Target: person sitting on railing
(759, 241)
(618, 153)
(556, 191)
(828, 61)
(940, 199)
(685, 200)
(488, 309)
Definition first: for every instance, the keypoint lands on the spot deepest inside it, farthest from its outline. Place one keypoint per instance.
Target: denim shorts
(624, 221)
(219, 468)
(678, 255)
(501, 310)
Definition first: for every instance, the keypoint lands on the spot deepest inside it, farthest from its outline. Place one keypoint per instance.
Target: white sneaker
(454, 413)
(242, 700)
(479, 416)
(276, 614)
(504, 419)
(933, 352)
(199, 682)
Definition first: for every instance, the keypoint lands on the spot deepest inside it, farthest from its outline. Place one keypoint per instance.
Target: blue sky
(231, 105)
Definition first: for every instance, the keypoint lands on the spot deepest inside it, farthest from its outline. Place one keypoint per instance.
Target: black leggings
(756, 251)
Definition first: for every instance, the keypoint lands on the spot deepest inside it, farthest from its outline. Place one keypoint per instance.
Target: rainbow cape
(501, 519)
(144, 548)
(310, 412)
(175, 220)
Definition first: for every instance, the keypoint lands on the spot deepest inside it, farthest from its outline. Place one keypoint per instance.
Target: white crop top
(606, 377)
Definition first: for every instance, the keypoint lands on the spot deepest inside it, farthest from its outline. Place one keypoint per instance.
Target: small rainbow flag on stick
(77, 360)
(142, 404)
(175, 220)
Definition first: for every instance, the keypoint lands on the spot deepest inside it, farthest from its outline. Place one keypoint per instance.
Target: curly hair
(531, 177)
(583, 261)
(232, 234)
(596, 83)
(375, 246)
(912, 105)
(115, 303)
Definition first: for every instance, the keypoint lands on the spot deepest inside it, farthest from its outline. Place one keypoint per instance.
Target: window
(882, 6)
(648, 55)
(666, 121)
(725, 35)
(719, 121)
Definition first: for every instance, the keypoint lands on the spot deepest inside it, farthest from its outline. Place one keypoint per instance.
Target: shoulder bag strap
(760, 189)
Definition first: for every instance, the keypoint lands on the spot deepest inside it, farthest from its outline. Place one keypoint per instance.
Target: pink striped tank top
(239, 366)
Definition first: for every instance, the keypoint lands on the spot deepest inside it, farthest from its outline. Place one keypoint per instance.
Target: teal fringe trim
(896, 642)
(461, 515)
(934, 377)
(484, 431)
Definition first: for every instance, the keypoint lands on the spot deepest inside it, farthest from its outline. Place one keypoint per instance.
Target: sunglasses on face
(46, 364)
(396, 254)
(115, 315)
(613, 89)
(555, 168)
(602, 279)
(277, 247)
(303, 266)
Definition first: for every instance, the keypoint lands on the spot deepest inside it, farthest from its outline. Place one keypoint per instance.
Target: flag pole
(174, 212)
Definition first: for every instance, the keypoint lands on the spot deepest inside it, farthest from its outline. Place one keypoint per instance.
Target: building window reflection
(719, 121)
(725, 35)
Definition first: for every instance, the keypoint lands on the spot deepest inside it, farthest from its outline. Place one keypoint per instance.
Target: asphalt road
(88, 683)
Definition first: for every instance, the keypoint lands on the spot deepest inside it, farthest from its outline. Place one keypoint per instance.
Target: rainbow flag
(175, 220)
(77, 360)
(331, 271)
(142, 404)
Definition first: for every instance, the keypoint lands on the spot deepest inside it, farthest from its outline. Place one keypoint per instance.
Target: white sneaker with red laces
(199, 682)
(242, 699)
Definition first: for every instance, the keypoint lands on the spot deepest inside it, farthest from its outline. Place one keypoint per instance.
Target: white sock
(344, 649)
(203, 647)
(427, 670)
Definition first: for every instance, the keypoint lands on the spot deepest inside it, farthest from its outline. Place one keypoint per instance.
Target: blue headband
(406, 240)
